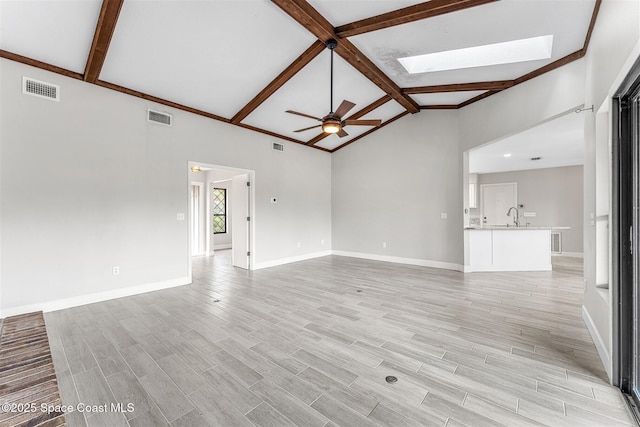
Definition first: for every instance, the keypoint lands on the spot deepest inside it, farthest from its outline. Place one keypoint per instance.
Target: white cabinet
(515, 249)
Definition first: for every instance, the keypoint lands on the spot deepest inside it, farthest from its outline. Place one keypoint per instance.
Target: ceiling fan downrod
(331, 44)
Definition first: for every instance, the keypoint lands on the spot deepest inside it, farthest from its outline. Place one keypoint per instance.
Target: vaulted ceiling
(245, 62)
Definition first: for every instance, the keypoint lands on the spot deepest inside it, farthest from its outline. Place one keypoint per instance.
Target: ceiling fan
(332, 122)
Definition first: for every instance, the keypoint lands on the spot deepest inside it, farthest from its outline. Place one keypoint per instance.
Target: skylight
(530, 49)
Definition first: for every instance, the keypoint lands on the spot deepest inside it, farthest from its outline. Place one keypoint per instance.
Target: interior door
(240, 221)
(496, 199)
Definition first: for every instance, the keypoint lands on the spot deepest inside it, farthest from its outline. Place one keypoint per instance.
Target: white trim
(400, 260)
(570, 254)
(197, 233)
(276, 262)
(61, 304)
(498, 268)
(603, 352)
(220, 247)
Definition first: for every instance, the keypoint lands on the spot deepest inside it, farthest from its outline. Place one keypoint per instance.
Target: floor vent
(158, 117)
(40, 89)
(278, 147)
(556, 242)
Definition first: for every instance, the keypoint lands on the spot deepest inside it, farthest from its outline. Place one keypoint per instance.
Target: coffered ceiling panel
(245, 62)
(506, 20)
(309, 92)
(55, 32)
(214, 56)
(445, 98)
(340, 12)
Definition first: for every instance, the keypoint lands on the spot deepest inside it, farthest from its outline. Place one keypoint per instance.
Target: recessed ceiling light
(507, 155)
(522, 50)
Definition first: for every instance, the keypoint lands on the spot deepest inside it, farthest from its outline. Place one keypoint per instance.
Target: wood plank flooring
(28, 388)
(310, 344)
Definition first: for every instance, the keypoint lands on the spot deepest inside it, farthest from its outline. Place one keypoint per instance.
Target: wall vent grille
(40, 89)
(556, 242)
(160, 118)
(278, 147)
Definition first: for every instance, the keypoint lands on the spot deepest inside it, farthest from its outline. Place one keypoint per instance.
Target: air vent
(158, 117)
(278, 147)
(40, 89)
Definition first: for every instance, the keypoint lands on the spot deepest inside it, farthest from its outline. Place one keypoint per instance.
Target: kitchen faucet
(516, 219)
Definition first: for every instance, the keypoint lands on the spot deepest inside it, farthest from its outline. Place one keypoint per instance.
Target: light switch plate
(529, 214)
(443, 215)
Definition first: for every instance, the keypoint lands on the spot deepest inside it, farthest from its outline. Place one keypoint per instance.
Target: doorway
(221, 215)
(626, 238)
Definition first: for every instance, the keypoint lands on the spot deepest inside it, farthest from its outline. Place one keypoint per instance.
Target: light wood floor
(311, 343)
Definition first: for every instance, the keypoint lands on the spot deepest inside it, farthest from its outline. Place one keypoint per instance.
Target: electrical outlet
(116, 271)
(443, 215)
(322, 242)
(298, 244)
(180, 217)
(384, 244)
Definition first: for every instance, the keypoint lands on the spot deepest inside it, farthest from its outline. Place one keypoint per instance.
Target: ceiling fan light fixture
(331, 126)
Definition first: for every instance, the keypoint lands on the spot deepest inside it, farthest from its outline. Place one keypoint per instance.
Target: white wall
(109, 185)
(614, 46)
(554, 194)
(393, 186)
(523, 106)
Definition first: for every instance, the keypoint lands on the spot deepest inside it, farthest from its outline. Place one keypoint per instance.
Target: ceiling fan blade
(342, 133)
(311, 127)
(303, 115)
(363, 122)
(343, 108)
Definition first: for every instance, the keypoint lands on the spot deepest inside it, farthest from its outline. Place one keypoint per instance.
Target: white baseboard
(401, 260)
(603, 350)
(221, 247)
(63, 303)
(570, 254)
(289, 260)
(493, 268)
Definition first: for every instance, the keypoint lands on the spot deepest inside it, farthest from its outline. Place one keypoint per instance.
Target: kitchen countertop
(503, 227)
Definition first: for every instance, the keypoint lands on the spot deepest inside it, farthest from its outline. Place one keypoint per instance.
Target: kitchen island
(508, 249)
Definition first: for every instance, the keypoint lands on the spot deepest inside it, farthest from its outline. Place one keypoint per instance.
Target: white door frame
(200, 186)
(252, 205)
